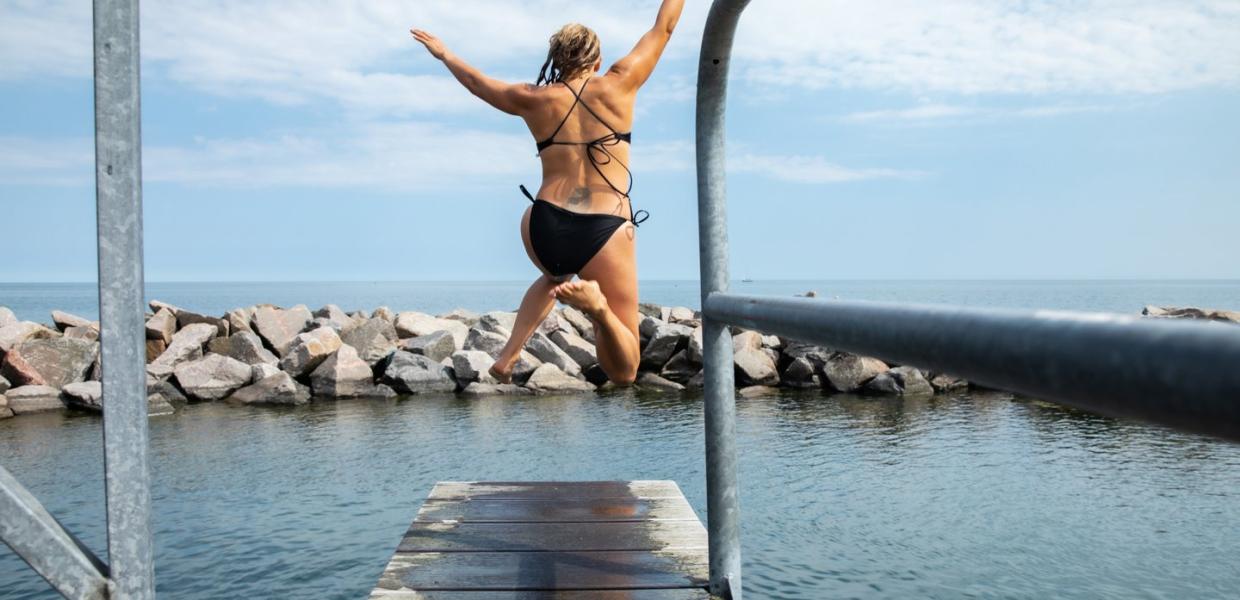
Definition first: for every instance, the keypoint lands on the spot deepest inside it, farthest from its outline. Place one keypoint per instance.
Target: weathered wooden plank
(499, 571)
(548, 510)
(448, 536)
(663, 594)
(543, 490)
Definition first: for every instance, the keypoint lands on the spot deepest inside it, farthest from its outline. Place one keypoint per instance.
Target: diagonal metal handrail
(36, 536)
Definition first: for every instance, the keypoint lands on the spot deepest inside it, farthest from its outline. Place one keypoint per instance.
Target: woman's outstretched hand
(432, 43)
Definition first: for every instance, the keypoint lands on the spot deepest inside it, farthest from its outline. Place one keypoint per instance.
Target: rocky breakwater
(271, 355)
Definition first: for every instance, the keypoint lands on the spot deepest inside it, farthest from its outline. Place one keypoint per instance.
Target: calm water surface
(974, 495)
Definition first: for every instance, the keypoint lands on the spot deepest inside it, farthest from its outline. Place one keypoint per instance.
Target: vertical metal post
(118, 181)
(722, 503)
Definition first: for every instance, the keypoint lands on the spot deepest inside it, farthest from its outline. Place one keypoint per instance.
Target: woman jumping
(580, 222)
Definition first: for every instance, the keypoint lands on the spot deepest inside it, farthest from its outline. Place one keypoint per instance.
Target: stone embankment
(271, 355)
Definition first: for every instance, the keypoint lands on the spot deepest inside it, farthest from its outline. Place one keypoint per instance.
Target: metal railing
(32, 532)
(1181, 374)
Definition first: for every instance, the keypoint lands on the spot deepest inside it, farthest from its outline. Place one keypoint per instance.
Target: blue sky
(874, 140)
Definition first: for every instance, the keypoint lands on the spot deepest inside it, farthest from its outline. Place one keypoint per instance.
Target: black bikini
(563, 240)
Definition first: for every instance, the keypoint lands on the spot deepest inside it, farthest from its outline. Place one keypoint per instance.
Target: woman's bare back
(568, 177)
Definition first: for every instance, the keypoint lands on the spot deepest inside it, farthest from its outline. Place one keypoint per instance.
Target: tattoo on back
(579, 197)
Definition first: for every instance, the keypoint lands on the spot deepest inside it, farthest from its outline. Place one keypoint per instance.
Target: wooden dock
(607, 540)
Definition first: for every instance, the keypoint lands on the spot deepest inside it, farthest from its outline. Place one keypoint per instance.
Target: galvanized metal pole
(118, 181)
(722, 502)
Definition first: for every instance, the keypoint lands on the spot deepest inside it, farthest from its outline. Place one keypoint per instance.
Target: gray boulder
(373, 339)
(263, 371)
(848, 372)
(800, 373)
(278, 327)
(16, 333)
(650, 381)
(679, 368)
(468, 317)
(495, 389)
(343, 375)
(554, 322)
(414, 324)
(87, 334)
(683, 315)
(86, 395)
(212, 377)
(435, 346)
(185, 317)
(410, 373)
(1190, 312)
(816, 355)
(186, 345)
(164, 389)
(498, 321)
(665, 340)
(54, 362)
(5, 411)
(243, 346)
(579, 320)
(157, 306)
(4, 385)
(695, 346)
(334, 316)
(158, 405)
(64, 320)
(240, 319)
(384, 313)
(942, 382)
(308, 350)
(34, 398)
(279, 388)
(747, 340)
(547, 351)
(162, 326)
(578, 348)
(754, 367)
(472, 365)
(912, 381)
(883, 384)
(493, 343)
(548, 378)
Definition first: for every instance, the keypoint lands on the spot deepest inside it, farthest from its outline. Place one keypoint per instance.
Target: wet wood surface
(610, 540)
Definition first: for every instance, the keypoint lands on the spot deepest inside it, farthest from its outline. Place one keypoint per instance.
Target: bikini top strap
(526, 192)
(591, 110)
(577, 101)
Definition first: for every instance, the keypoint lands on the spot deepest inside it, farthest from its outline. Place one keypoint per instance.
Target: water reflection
(976, 493)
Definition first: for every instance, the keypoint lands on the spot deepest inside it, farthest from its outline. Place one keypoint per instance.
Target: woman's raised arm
(512, 98)
(635, 68)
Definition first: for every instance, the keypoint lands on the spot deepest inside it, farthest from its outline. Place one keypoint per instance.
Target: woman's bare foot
(583, 295)
(501, 376)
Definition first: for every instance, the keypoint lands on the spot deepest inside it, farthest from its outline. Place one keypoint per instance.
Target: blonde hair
(574, 48)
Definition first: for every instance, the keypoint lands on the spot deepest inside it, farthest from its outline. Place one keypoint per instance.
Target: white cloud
(948, 112)
(409, 156)
(810, 169)
(1106, 46)
(359, 54)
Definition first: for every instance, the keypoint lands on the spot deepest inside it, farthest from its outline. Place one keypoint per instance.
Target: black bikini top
(601, 146)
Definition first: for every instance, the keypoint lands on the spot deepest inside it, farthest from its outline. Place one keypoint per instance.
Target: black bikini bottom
(564, 241)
